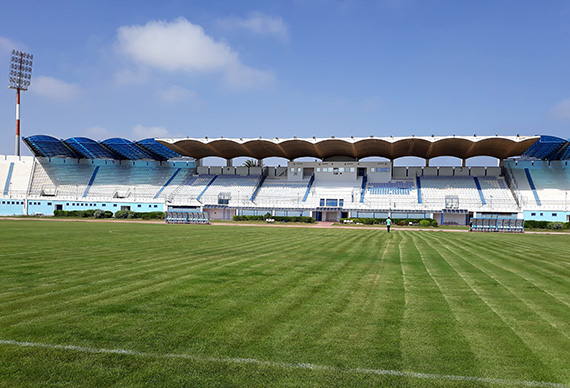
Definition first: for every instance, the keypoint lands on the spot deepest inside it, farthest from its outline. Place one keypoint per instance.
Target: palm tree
(250, 163)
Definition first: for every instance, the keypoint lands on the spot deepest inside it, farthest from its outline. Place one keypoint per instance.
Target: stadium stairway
(363, 188)
(532, 186)
(8, 179)
(167, 183)
(91, 181)
(309, 187)
(479, 190)
(206, 188)
(418, 183)
(261, 180)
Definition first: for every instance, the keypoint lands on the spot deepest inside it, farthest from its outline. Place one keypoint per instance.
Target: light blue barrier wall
(547, 215)
(11, 207)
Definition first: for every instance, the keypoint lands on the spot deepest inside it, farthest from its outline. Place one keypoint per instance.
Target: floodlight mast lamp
(20, 79)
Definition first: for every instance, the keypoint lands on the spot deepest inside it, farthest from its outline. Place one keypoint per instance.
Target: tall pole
(20, 79)
(17, 148)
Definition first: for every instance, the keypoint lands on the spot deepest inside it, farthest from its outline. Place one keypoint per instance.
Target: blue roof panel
(156, 148)
(127, 149)
(90, 149)
(48, 146)
(545, 148)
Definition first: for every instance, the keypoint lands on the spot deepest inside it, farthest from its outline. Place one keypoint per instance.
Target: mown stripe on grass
(546, 343)
(285, 365)
(439, 338)
(531, 273)
(122, 286)
(511, 283)
(504, 329)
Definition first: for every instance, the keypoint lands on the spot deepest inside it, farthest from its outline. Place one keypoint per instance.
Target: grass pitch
(130, 305)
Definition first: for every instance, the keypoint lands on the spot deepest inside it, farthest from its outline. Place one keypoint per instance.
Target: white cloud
(7, 45)
(260, 24)
(54, 88)
(561, 111)
(129, 77)
(141, 132)
(239, 76)
(98, 133)
(183, 46)
(177, 93)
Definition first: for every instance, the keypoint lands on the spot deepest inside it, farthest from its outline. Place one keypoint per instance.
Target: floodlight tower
(20, 79)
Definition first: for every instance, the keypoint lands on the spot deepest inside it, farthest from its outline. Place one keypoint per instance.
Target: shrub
(395, 221)
(250, 218)
(555, 225)
(534, 224)
(425, 223)
(123, 214)
(307, 220)
(88, 213)
(99, 214)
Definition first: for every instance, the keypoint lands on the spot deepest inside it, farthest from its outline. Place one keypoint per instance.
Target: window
(149, 205)
(3, 203)
(352, 169)
(554, 214)
(66, 204)
(341, 202)
(541, 214)
(49, 203)
(533, 214)
(318, 169)
(322, 202)
(371, 169)
(155, 205)
(103, 205)
(139, 205)
(292, 169)
(299, 169)
(114, 205)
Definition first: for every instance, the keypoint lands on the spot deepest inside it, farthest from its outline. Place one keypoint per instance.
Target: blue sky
(304, 68)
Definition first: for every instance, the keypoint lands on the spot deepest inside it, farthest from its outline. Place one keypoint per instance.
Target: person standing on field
(388, 223)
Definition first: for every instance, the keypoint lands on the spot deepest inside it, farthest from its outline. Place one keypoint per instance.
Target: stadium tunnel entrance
(329, 216)
(221, 214)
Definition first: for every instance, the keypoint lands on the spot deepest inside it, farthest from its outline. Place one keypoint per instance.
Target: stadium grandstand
(531, 179)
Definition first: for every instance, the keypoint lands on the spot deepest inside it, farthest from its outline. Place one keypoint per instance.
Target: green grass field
(128, 305)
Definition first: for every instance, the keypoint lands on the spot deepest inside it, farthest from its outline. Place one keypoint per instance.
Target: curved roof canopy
(48, 146)
(463, 147)
(85, 148)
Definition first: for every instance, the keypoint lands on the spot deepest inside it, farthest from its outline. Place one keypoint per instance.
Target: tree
(251, 163)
